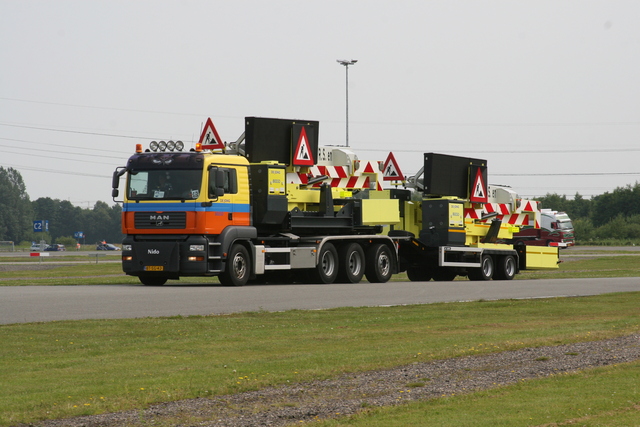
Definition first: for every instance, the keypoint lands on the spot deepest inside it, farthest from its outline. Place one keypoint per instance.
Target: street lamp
(346, 63)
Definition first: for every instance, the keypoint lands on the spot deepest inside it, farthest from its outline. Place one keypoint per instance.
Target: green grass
(609, 266)
(62, 369)
(81, 272)
(597, 397)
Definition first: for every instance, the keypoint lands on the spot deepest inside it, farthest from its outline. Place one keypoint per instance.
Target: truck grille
(160, 220)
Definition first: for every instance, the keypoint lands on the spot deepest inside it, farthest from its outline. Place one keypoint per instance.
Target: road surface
(20, 304)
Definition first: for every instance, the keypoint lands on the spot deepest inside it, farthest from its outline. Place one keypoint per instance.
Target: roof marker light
(138, 148)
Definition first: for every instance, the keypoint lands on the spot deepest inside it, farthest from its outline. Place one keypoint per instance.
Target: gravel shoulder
(348, 394)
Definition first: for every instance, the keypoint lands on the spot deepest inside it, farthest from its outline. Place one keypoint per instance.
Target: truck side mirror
(115, 180)
(219, 182)
(216, 182)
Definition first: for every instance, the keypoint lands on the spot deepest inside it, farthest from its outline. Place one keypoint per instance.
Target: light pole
(346, 63)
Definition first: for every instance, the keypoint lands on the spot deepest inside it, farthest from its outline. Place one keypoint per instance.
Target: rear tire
(506, 268)
(443, 274)
(352, 263)
(485, 272)
(378, 263)
(327, 269)
(238, 268)
(417, 274)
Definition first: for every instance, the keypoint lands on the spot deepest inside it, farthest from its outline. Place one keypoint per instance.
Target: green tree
(16, 214)
(103, 223)
(623, 201)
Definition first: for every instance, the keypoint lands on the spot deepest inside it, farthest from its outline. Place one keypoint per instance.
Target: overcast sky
(547, 91)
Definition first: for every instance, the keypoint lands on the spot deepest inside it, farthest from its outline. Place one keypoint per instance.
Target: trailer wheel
(153, 280)
(327, 269)
(351, 263)
(506, 268)
(485, 272)
(238, 268)
(442, 274)
(417, 274)
(378, 263)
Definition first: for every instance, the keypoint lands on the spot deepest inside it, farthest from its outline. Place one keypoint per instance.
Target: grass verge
(62, 369)
(597, 397)
(90, 273)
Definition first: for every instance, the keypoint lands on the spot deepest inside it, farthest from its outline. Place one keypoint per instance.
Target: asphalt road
(20, 304)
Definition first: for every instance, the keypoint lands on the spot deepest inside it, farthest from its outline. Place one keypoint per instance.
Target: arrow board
(209, 139)
(479, 188)
(302, 155)
(391, 169)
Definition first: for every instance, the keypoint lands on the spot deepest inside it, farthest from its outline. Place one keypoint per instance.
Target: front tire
(152, 280)
(238, 268)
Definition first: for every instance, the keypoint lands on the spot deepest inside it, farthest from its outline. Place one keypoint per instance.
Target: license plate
(153, 268)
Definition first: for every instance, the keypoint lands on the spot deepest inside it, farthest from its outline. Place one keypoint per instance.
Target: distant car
(55, 247)
(35, 247)
(106, 247)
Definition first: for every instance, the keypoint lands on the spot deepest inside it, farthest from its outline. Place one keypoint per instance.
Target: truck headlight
(196, 248)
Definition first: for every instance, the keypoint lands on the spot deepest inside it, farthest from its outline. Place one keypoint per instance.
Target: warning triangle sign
(478, 193)
(302, 154)
(391, 169)
(209, 139)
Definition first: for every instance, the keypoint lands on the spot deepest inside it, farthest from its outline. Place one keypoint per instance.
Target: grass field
(62, 369)
(85, 271)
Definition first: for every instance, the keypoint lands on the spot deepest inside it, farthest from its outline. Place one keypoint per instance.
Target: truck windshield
(565, 225)
(164, 184)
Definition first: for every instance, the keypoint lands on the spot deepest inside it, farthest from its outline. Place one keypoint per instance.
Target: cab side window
(222, 178)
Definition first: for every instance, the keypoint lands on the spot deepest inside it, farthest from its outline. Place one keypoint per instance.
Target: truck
(555, 229)
(275, 206)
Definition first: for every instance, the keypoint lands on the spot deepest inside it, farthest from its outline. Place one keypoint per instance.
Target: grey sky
(538, 88)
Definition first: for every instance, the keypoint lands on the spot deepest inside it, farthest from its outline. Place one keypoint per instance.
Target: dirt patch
(348, 394)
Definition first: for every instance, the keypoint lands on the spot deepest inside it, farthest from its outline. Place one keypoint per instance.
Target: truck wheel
(378, 263)
(506, 268)
(485, 272)
(238, 268)
(444, 275)
(327, 269)
(152, 280)
(351, 258)
(417, 274)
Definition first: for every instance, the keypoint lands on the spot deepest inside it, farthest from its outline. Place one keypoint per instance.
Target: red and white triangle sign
(391, 169)
(209, 139)
(479, 189)
(303, 155)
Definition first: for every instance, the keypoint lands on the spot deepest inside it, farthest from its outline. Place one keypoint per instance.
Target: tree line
(609, 217)
(18, 212)
(612, 217)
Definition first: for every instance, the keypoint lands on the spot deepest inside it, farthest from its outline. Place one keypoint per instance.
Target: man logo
(153, 252)
(159, 217)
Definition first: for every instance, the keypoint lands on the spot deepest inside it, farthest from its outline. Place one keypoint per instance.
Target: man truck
(274, 206)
